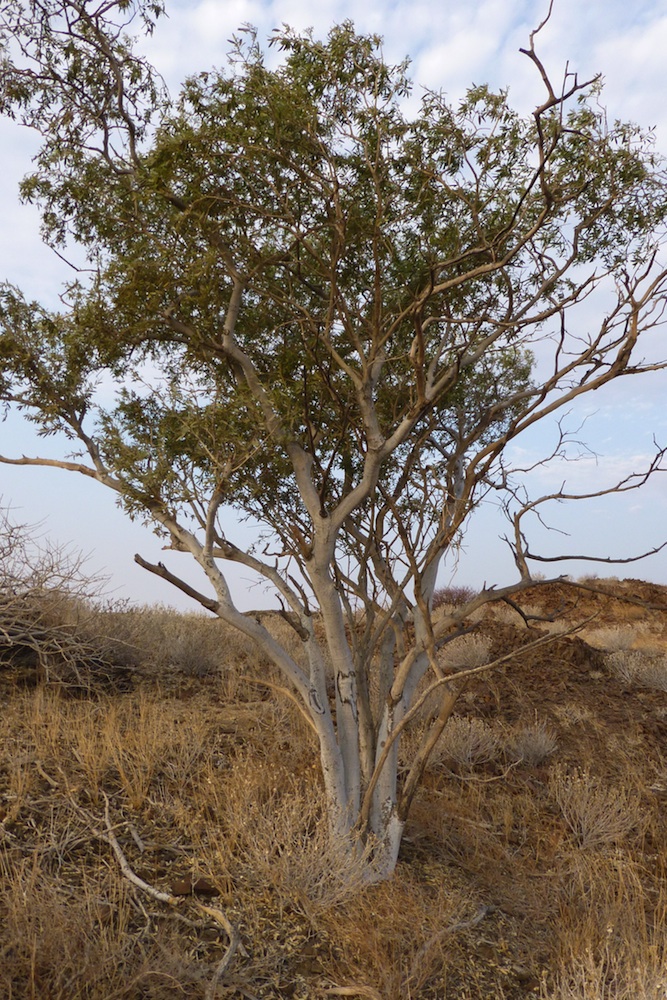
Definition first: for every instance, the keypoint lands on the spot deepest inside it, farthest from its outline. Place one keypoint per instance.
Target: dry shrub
(164, 641)
(555, 628)
(462, 653)
(452, 596)
(165, 644)
(653, 674)
(47, 633)
(597, 814)
(530, 744)
(504, 613)
(612, 640)
(573, 714)
(593, 580)
(611, 936)
(529, 610)
(625, 664)
(465, 652)
(466, 742)
(610, 977)
(273, 835)
(89, 942)
(397, 939)
(47, 610)
(535, 615)
(640, 667)
(87, 641)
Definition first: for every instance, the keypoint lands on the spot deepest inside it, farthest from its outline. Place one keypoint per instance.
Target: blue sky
(451, 46)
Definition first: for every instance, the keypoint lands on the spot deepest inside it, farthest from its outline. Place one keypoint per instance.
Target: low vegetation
(162, 833)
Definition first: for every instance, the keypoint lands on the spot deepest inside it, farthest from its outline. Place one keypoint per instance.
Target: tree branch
(161, 570)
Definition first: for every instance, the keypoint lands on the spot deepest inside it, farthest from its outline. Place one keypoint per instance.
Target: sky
(451, 46)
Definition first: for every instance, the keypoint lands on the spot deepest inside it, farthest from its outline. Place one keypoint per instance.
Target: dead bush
(611, 941)
(466, 742)
(47, 611)
(453, 596)
(641, 668)
(274, 836)
(612, 640)
(597, 814)
(530, 744)
(465, 652)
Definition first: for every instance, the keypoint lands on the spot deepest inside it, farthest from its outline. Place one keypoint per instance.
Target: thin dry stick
(460, 925)
(135, 837)
(42, 773)
(353, 991)
(288, 694)
(234, 943)
(110, 837)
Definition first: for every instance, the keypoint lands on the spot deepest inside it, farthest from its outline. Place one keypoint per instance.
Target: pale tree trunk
(387, 813)
(347, 720)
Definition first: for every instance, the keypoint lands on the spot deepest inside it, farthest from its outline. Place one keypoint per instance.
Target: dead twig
(234, 944)
(460, 925)
(110, 837)
(42, 773)
(288, 694)
(353, 991)
(220, 918)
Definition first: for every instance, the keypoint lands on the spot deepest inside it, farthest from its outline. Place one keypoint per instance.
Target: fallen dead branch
(108, 835)
(234, 943)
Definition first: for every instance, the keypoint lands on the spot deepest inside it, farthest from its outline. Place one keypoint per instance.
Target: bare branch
(161, 570)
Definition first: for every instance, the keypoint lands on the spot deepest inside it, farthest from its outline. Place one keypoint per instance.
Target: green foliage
(287, 259)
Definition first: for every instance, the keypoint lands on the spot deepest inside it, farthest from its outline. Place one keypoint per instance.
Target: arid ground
(161, 829)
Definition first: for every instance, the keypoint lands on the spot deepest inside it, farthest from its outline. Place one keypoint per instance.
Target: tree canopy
(328, 309)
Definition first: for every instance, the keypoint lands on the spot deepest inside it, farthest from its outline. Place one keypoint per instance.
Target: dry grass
(534, 860)
(612, 639)
(465, 652)
(610, 946)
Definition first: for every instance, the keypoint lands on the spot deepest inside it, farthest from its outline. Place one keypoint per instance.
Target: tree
(327, 314)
